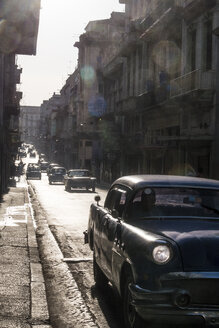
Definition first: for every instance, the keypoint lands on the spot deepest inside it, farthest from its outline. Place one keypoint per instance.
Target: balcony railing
(194, 8)
(195, 80)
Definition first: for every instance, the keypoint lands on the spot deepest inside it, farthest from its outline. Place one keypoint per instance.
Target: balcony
(193, 81)
(194, 8)
(113, 66)
(127, 42)
(146, 99)
(163, 15)
(128, 104)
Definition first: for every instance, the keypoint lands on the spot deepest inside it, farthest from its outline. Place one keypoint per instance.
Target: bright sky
(61, 23)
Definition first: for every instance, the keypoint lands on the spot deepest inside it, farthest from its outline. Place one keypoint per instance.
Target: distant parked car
(44, 165)
(33, 171)
(57, 174)
(156, 240)
(78, 179)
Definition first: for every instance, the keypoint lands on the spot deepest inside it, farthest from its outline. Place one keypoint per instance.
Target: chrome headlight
(161, 254)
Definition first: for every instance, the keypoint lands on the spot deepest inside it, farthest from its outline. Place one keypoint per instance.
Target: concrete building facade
(147, 91)
(15, 38)
(29, 124)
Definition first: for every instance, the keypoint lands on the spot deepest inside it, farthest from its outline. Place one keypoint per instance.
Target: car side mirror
(97, 199)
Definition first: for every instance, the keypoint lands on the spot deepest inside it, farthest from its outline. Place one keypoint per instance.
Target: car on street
(22, 153)
(33, 171)
(32, 154)
(50, 166)
(79, 178)
(156, 239)
(43, 165)
(57, 174)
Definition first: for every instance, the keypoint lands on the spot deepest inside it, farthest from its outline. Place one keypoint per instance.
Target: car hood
(197, 240)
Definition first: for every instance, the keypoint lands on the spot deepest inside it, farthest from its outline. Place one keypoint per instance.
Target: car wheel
(50, 182)
(87, 188)
(93, 188)
(100, 279)
(131, 317)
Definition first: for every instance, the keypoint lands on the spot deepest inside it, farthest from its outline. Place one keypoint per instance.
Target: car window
(116, 199)
(79, 174)
(59, 171)
(175, 202)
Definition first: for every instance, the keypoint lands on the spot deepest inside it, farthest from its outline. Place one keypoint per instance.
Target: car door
(111, 226)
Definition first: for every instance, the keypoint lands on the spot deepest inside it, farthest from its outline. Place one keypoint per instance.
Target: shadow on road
(110, 304)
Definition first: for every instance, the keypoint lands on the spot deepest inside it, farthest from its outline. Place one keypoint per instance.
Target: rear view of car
(33, 172)
(44, 166)
(57, 175)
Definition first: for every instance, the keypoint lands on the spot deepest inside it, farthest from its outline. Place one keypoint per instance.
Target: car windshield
(177, 202)
(59, 171)
(79, 174)
(33, 169)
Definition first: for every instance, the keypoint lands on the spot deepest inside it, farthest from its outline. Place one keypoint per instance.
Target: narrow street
(67, 216)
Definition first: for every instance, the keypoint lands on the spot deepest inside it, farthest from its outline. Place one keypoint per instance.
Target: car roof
(74, 170)
(142, 181)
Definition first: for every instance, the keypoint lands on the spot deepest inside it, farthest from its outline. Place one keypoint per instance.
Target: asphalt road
(67, 216)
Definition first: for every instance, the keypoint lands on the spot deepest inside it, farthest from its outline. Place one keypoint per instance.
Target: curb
(66, 305)
(39, 308)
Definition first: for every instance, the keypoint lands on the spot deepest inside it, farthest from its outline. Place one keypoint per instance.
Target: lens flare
(88, 75)
(167, 56)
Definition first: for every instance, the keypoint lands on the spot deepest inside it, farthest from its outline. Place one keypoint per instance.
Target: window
(116, 199)
(177, 202)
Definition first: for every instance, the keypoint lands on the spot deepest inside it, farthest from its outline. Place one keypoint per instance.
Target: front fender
(135, 249)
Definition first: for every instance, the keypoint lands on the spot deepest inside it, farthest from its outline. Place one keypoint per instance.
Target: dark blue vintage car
(156, 239)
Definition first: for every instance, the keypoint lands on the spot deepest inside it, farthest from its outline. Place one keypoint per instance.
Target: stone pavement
(23, 301)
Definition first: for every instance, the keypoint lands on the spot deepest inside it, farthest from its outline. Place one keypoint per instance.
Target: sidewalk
(22, 290)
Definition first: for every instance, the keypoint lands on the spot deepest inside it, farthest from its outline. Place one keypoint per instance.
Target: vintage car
(57, 174)
(50, 166)
(32, 154)
(79, 178)
(33, 171)
(156, 239)
(43, 165)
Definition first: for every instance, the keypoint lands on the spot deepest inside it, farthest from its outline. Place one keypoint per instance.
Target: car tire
(130, 316)
(50, 182)
(100, 279)
(93, 188)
